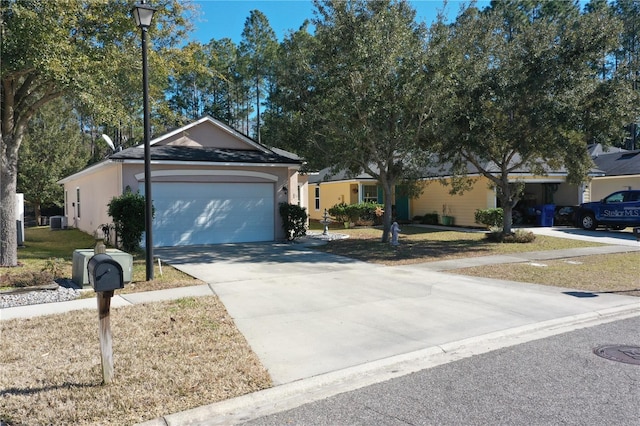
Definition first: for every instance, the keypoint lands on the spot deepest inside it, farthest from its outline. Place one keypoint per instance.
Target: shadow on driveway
(268, 252)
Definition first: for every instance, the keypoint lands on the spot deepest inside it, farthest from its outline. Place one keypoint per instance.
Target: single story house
(327, 189)
(210, 185)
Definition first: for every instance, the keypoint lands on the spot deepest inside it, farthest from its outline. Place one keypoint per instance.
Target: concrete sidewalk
(530, 256)
(116, 301)
(604, 236)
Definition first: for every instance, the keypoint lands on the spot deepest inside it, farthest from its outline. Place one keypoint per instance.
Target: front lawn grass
(422, 244)
(168, 356)
(612, 273)
(45, 248)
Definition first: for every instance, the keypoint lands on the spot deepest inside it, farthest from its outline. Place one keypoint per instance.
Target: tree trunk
(258, 110)
(38, 212)
(506, 199)
(8, 185)
(387, 189)
(507, 211)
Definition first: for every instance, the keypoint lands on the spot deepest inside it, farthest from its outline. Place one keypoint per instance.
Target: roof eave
(86, 171)
(211, 163)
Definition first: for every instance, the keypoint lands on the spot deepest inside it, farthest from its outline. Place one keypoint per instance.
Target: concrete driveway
(604, 236)
(306, 313)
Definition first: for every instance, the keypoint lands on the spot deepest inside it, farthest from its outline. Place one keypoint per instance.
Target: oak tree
(521, 92)
(86, 50)
(358, 96)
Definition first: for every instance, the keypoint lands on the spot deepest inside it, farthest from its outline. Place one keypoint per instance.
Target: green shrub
(128, 214)
(519, 236)
(55, 267)
(361, 212)
(371, 212)
(490, 217)
(429, 219)
(294, 220)
(339, 212)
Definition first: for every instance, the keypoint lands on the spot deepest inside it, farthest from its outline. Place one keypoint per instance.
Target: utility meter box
(105, 274)
(81, 258)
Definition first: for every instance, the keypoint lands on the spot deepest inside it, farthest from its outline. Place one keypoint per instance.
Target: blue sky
(225, 18)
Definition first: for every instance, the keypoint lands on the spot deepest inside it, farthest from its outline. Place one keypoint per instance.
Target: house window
(369, 193)
(77, 202)
(317, 197)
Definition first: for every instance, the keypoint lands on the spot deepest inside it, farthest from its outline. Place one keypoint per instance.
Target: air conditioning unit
(58, 222)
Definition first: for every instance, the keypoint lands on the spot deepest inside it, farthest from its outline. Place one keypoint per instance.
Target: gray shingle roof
(435, 170)
(204, 154)
(619, 163)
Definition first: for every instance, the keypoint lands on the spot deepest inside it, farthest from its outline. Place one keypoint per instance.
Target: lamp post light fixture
(143, 13)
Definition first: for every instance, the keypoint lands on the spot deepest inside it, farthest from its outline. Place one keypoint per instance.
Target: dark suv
(615, 211)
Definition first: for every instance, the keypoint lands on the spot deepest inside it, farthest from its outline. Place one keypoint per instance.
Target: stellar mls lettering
(626, 212)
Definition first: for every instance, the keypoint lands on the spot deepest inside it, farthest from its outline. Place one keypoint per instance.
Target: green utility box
(81, 258)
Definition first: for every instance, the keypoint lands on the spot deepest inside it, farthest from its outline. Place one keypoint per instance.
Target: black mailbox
(105, 274)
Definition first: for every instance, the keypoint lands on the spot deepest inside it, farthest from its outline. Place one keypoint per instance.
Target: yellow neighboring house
(326, 190)
(615, 169)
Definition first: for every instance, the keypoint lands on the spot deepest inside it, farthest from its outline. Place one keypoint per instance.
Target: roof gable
(208, 132)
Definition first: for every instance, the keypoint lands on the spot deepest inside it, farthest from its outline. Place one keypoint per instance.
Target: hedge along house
(210, 185)
(326, 190)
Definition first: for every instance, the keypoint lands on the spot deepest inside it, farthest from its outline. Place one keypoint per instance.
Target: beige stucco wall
(206, 134)
(600, 187)
(303, 190)
(435, 198)
(96, 190)
(111, 180)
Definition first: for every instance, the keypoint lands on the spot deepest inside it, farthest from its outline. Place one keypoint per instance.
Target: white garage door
(212, 213)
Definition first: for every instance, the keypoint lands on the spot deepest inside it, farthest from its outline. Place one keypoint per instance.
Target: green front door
(402, 207)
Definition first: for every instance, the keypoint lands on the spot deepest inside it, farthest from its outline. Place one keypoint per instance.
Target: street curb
(291, 395)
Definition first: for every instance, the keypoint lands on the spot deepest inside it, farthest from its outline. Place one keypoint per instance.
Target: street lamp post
(143, 13)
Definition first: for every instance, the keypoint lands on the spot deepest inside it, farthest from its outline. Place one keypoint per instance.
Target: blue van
(615, 211)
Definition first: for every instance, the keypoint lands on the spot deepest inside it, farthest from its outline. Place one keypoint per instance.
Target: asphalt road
(552, 381)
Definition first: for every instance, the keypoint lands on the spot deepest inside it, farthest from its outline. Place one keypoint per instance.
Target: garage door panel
(206, 213)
